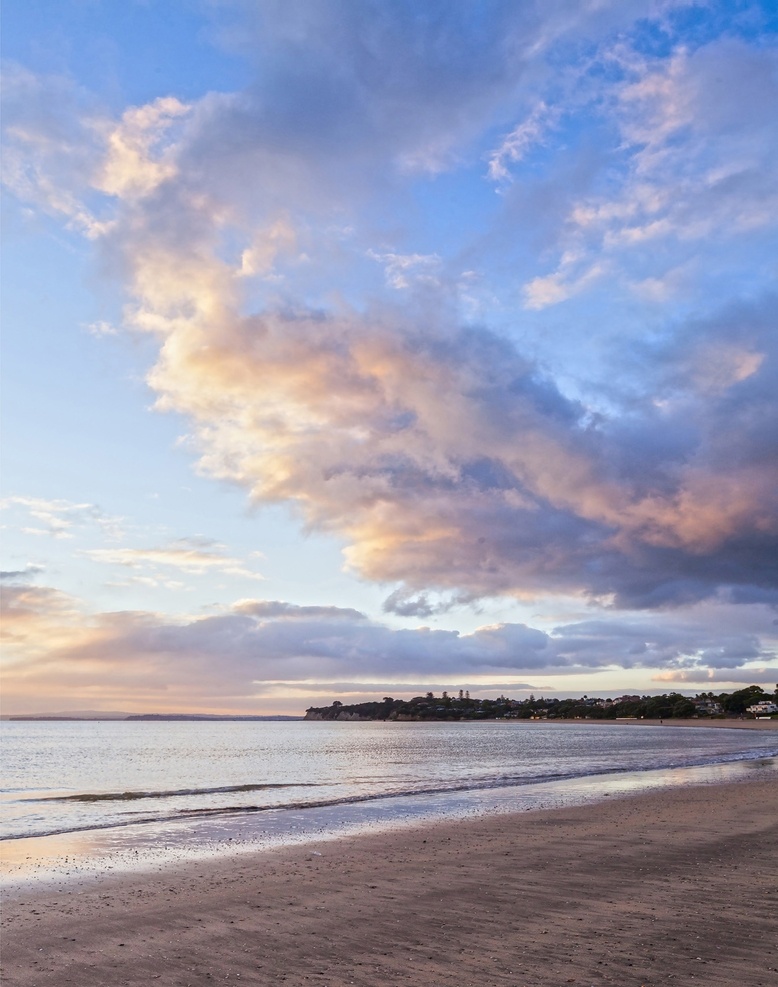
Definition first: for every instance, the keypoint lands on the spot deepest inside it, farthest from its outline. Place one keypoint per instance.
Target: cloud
(139, 150)
(37, 620)
(52, 147)
(61, 517)
(151, 582)
(694, 163)
(523, 138)
(190, 555)
(345, 76)
(452, 462)
(368, 691)
(101, 328)
(558, 287)
(401, 270)
(276, 609)
(21, 575)
(258, 259)
(710, 678)
(53, 642)
(685, 644)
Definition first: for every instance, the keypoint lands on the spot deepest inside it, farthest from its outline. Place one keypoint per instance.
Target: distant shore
(702, 721)
(143, 718)
(651, 890)
(736, 724)
(726, 723)
(733, 724)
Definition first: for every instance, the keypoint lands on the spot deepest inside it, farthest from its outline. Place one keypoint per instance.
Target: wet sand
(675, 887)
(702, 722)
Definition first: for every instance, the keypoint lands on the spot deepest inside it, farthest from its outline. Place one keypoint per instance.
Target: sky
(356, 348)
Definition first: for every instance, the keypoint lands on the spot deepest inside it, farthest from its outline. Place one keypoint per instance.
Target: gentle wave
(484, 784)
(178, 792)
(232, 810)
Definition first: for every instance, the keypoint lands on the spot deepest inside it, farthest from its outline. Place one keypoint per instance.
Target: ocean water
(152, 778)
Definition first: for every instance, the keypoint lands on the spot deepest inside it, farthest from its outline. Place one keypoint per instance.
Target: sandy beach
(672, 887)
(700, 722)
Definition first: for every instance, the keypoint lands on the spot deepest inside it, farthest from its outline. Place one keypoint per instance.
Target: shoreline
(82, 857)
(650, 889)
(737, 724)
(629, 721)
(632, 721)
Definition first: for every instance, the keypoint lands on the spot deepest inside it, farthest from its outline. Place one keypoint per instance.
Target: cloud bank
(54, 646)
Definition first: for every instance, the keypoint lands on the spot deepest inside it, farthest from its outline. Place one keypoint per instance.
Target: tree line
(672, 705)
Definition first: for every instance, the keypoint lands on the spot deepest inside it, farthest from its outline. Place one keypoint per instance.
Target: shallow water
(84, 798)
(69, 859)
(62, 777)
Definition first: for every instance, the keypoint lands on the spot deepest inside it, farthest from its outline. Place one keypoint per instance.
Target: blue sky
(360, 348)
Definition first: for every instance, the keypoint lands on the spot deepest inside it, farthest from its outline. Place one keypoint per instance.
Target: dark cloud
(409, 606)
(660, 644)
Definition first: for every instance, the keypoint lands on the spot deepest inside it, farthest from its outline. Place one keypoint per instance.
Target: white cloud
(403, 270)
(139, 152)
(697, 143)
(61, 517)
(258, 260)
(51, 147)
(192, 556)
(520, 142)
(101, 328)
(555, 288)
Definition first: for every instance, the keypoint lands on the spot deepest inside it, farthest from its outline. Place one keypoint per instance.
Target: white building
(763, 708)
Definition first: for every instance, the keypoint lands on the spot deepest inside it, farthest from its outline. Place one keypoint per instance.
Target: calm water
(61, 777)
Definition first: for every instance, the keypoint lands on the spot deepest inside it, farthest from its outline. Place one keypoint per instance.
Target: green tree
(684, 708)
(737, 702)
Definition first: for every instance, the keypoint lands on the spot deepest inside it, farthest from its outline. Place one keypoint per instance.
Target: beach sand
(703, 722)
(675, 887)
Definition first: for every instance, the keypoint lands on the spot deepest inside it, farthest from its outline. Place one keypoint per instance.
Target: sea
(80, 797)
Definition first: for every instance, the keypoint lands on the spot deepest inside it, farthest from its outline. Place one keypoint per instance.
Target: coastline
(648, 889)
(629, 721)
(80, 857)
(724, 724)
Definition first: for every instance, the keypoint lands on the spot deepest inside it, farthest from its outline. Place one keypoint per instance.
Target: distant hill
(205, 716)
(92, 714)
(70, 714)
